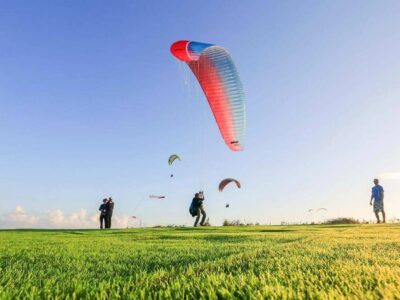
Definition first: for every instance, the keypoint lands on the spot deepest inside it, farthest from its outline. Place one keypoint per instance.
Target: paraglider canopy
(156, 197)
(188, 51)
(172, 158)
(218, 77)
(227, 181)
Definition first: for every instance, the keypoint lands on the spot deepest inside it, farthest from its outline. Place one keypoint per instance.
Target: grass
(277, 262)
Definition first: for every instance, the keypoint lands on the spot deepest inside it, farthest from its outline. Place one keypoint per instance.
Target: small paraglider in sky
(171, 160)
(227, 181)
(227, 205)
(217, 75)
(322, 209)
(136, 221)
(157, 197)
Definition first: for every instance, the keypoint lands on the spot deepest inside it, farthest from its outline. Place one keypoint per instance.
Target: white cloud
(19, 218)
(80, 219)
(56, 216)
(121, 221)
(95, 218)
(390, 176)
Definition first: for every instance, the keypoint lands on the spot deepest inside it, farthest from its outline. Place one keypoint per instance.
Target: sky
(92, 103)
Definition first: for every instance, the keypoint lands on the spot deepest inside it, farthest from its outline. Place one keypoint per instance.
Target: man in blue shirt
(377, 195)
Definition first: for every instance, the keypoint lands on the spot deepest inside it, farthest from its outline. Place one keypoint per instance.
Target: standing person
(378, 195)
(198, 205)
(103, 214)
(110, 209)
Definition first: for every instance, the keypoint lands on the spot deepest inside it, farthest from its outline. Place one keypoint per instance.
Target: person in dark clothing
(103, 214)
(198, 206)
(110, 209)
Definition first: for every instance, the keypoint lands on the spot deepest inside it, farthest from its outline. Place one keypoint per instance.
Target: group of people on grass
(197, 209)
(106, 211)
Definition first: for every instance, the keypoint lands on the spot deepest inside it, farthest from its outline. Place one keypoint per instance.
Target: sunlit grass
(356, 261)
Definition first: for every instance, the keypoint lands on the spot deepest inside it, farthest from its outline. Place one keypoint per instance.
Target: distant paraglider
(317, 210)
(317, 214)
(227, 181)
(217, 75)
(156, 197)
(137, 221)
(172, 158)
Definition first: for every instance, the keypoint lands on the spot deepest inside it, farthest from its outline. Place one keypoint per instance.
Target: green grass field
(318, 262)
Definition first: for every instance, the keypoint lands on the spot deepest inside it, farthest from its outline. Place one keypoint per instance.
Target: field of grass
(297, 262)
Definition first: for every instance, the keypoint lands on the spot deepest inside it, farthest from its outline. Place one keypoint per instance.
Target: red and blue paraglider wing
(214, 69)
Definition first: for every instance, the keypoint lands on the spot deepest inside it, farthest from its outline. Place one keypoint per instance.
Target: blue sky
(92, 103)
